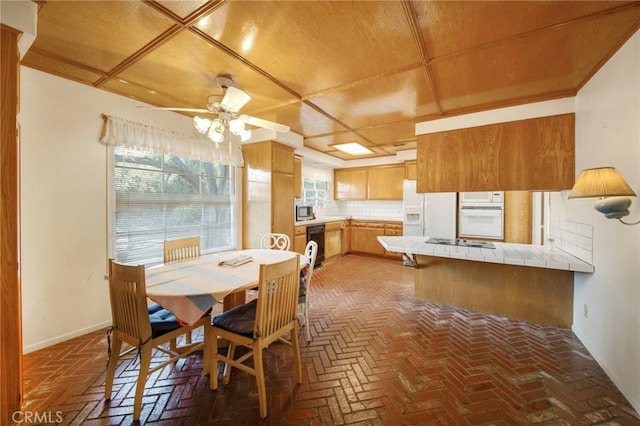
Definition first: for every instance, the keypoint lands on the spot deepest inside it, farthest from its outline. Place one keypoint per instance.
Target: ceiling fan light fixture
(215, 136)
(353, 148)
(236, 126)
(234, 99)
(245, 135)
(202, 125)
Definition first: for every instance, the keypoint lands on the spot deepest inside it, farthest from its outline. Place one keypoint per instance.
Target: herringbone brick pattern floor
(378, 357)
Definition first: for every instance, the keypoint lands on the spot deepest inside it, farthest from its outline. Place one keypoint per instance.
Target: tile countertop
(325, 219)
(509, 253)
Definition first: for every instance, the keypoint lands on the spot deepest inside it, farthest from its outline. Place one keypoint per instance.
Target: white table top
(190, 288)
(509, 253)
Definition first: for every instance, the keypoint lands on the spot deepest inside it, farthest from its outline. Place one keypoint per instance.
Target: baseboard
(50, 342)
(635, 403)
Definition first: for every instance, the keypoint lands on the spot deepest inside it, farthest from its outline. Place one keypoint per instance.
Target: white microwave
(482, 197)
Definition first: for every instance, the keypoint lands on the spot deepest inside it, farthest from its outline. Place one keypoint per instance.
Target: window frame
(198, 199)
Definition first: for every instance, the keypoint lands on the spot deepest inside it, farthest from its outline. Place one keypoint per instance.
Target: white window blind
(156, 197)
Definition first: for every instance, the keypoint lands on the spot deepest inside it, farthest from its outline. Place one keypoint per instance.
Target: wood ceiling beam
(418, 40)
(179, 26)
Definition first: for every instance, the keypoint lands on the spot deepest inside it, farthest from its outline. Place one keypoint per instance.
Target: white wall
(608, 134)
(63, 204)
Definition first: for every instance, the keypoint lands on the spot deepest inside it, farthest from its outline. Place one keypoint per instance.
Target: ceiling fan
(226, 106)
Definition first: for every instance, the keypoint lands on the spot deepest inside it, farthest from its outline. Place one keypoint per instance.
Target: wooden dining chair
(181, 249)
(311, 252)
(259, 323)
(275, 241)
(133, 325)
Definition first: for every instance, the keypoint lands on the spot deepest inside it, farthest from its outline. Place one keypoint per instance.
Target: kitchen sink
(461, 242)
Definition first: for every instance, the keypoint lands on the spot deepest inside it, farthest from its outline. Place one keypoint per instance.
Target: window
(315, 192)
(162, 196)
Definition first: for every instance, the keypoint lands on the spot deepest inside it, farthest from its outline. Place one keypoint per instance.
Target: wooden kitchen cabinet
(364, 237)
(350, 184)
(369, 183)
(297, 177)
(395, 230)
(332, 239)
(267, 179)
(533, 154)
(517, 217)
(385, 182)
(300, 239)
(411, 170)
(346, 237)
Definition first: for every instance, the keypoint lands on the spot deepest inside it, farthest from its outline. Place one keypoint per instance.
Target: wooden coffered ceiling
(335, 71)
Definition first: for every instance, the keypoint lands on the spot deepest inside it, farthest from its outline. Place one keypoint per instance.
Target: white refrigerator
(430, 214)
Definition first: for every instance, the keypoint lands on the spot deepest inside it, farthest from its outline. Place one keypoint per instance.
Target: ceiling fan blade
(259, 122)
(177, 109)
(234, 99)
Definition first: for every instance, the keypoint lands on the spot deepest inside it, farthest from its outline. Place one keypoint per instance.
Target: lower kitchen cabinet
(393, 229)
(299, 239)
(332, 239)
(364, 237)
(346, 237)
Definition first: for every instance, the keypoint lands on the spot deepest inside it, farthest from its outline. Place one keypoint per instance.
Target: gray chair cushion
(239, 320)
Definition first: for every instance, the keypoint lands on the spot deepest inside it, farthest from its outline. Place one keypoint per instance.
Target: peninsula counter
(521, 281)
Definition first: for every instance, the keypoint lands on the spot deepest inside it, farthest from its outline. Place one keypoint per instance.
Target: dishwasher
(316, 233)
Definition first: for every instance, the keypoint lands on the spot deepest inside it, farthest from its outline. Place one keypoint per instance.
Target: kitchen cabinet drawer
(367, 224)
(365, 240)
(393, 232)
(300, 230)
(331, 226)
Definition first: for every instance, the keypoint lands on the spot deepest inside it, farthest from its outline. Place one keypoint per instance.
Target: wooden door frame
(10, 295)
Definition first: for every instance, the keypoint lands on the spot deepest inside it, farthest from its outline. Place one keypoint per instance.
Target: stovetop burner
(461, 242)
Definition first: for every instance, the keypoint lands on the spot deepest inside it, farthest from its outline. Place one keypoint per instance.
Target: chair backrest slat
(181, 249)
(128, 294)
(277, 296)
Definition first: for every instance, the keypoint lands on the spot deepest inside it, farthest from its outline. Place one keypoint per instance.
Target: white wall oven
(481, 215)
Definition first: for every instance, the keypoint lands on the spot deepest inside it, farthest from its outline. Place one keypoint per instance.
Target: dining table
(190, 288)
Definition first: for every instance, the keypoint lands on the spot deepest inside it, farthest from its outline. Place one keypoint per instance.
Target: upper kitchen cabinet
(535, 154)
(350, 184)
(369, 183)
(268, 191)
(411, 170)
(385, 182)
(297, 177)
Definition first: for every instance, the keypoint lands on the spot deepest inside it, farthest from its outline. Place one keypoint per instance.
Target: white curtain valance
(121, 132)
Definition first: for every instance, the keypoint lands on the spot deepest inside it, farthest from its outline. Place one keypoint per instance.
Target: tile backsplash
(574, 238)
(363, 209)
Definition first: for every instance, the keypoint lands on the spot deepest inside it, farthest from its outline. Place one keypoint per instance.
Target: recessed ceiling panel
(391, 134)
(186, 67)
(99, 34)
(312, 46)
(303, 119)
(456, 26)
(389, 99)
(542, 65)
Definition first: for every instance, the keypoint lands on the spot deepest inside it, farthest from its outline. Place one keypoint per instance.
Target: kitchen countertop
(325, 219)
(508, 253)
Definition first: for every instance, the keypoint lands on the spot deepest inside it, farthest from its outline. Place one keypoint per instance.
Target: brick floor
(378, 356)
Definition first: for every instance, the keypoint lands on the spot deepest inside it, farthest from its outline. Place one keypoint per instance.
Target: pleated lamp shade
(601, 182)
